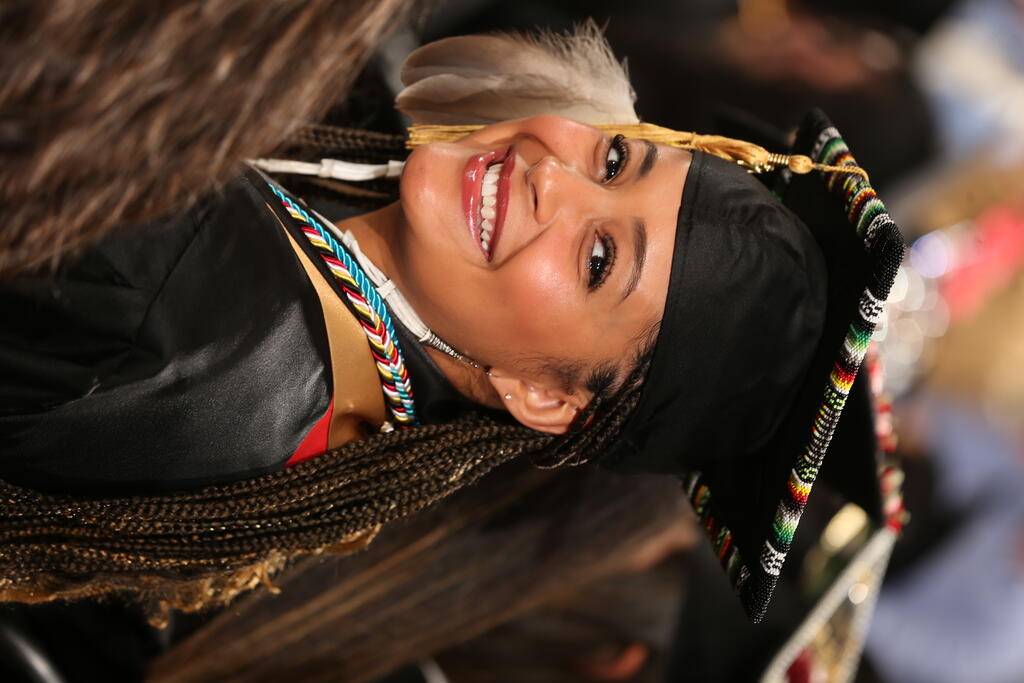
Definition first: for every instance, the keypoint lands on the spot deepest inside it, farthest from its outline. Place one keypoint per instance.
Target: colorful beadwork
(373, 315)
(755, 582)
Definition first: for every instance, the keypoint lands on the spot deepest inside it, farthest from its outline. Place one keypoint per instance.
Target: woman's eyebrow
(650, 158)
(639, 256)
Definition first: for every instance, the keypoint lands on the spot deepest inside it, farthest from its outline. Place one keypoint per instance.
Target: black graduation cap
(772, 301)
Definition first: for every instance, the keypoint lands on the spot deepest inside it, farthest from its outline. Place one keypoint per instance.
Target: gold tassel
(753, 157)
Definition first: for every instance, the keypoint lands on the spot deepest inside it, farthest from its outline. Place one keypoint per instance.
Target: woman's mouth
(485, 197)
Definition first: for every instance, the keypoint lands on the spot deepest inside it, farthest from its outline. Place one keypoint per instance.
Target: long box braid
(198, 549)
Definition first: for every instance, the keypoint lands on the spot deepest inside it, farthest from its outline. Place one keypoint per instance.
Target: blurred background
(929, 95)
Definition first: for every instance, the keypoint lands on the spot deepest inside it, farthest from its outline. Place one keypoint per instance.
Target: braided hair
(196, 549)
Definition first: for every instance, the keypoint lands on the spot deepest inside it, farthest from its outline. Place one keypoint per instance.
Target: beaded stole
(755, 580)
(369, 308)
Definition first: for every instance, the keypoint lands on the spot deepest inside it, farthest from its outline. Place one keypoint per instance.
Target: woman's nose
(552, 185)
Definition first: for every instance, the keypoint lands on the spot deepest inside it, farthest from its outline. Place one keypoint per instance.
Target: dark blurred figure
(917, 16)
(775, 68)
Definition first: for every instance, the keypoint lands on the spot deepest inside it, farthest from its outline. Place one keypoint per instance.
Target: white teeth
(489, 199)
(485, 234)
(492, 173)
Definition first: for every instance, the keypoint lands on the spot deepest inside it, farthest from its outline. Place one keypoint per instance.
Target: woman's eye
(599, 266)
(615, 159)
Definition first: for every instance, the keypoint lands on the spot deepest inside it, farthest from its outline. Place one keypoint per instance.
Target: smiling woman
(576, 233)
(248, 381)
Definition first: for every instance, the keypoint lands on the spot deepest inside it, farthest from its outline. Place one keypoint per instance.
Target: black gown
(176, 354)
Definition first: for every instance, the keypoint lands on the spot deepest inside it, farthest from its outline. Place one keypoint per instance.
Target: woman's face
(540, 240)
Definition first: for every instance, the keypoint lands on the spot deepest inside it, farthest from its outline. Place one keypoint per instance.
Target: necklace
(373, 315)
(393, 298)
(345, 170)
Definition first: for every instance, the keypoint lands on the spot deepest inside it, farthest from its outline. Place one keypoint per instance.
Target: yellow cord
(753, 157)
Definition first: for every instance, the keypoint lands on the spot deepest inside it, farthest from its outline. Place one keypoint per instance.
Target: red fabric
(315, 442)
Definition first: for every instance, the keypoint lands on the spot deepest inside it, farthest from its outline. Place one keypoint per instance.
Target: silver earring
(508, 397)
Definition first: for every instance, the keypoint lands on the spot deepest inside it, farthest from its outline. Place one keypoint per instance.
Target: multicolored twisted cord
(882, 240)
(373, 315)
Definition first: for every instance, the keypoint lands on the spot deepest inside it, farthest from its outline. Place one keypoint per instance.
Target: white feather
(488, 78)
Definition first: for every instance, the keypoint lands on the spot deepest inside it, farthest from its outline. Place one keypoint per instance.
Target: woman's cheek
(541, 300)
(420, 194)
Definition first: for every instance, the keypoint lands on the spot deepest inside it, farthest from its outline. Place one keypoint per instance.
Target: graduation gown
(203, 348)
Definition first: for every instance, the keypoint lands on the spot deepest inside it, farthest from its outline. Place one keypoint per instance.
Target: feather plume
(487, 78)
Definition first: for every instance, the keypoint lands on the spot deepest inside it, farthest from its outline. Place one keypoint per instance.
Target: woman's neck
(377, 234)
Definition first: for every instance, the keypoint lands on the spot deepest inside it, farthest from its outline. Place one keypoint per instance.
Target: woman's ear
(541, 407)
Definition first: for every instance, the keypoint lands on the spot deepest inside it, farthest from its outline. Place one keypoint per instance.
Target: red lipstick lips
(472, 199)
